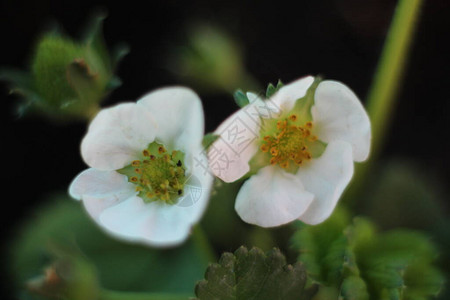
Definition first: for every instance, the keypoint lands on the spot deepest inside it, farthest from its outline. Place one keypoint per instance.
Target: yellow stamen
(290, 143)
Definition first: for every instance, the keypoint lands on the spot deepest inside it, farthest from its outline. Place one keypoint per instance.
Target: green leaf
(93, 39)
(356, 259)
(21, 83)
(17, 79)
(254, 275)
(208, 139)
(271, 89)
(121, 266)
(321, 247)
(241, 98)
(354, 288)
(118, 53)
(403, 195)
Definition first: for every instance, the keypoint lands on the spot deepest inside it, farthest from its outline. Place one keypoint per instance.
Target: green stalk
(388, 76)
(387, 81)
(201, 241)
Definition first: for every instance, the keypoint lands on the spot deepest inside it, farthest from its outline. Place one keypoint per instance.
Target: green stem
(387, 80)
(388, 76)
(201, 241)
(115, 295)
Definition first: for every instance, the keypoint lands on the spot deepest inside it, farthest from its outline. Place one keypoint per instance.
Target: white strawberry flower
(143, 185)
(298, 148)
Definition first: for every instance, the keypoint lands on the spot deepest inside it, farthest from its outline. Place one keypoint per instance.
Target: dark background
(340, 39)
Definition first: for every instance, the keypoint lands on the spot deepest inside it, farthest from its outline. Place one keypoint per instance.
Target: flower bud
(68, 78)
(211, 61)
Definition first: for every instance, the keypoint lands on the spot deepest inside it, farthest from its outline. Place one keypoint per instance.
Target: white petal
(198, 187)
(95, 183)
(117, 135)
(229, 155)
(339, 115)
(155, 223)
(326, 177)
(179, 114)
(272, 197)
(95, 206)
(286, 96)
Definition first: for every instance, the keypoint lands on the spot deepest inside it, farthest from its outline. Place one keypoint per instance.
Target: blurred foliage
(70, 276)
(67, 78)
(353, 260)
(120, 266)
(211, 61)
(254, 275)
(404, 194)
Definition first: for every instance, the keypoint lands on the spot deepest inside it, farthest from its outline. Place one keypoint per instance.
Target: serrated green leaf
(254, 275)
(389, 265)
(397, 262)
(241, 98)
(314, 244)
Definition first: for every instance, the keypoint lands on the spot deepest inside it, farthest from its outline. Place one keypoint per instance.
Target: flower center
(290, 143)
(158, 175)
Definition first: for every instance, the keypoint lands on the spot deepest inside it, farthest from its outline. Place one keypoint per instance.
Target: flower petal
(229, 155)
(272, 197)
(198, 187)
(100, 190)
(326, 177)
(117, 135)
(339, 115)
(179, 114)
(156, 223)
(287, 95)
(95, 206)
(95, 183)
